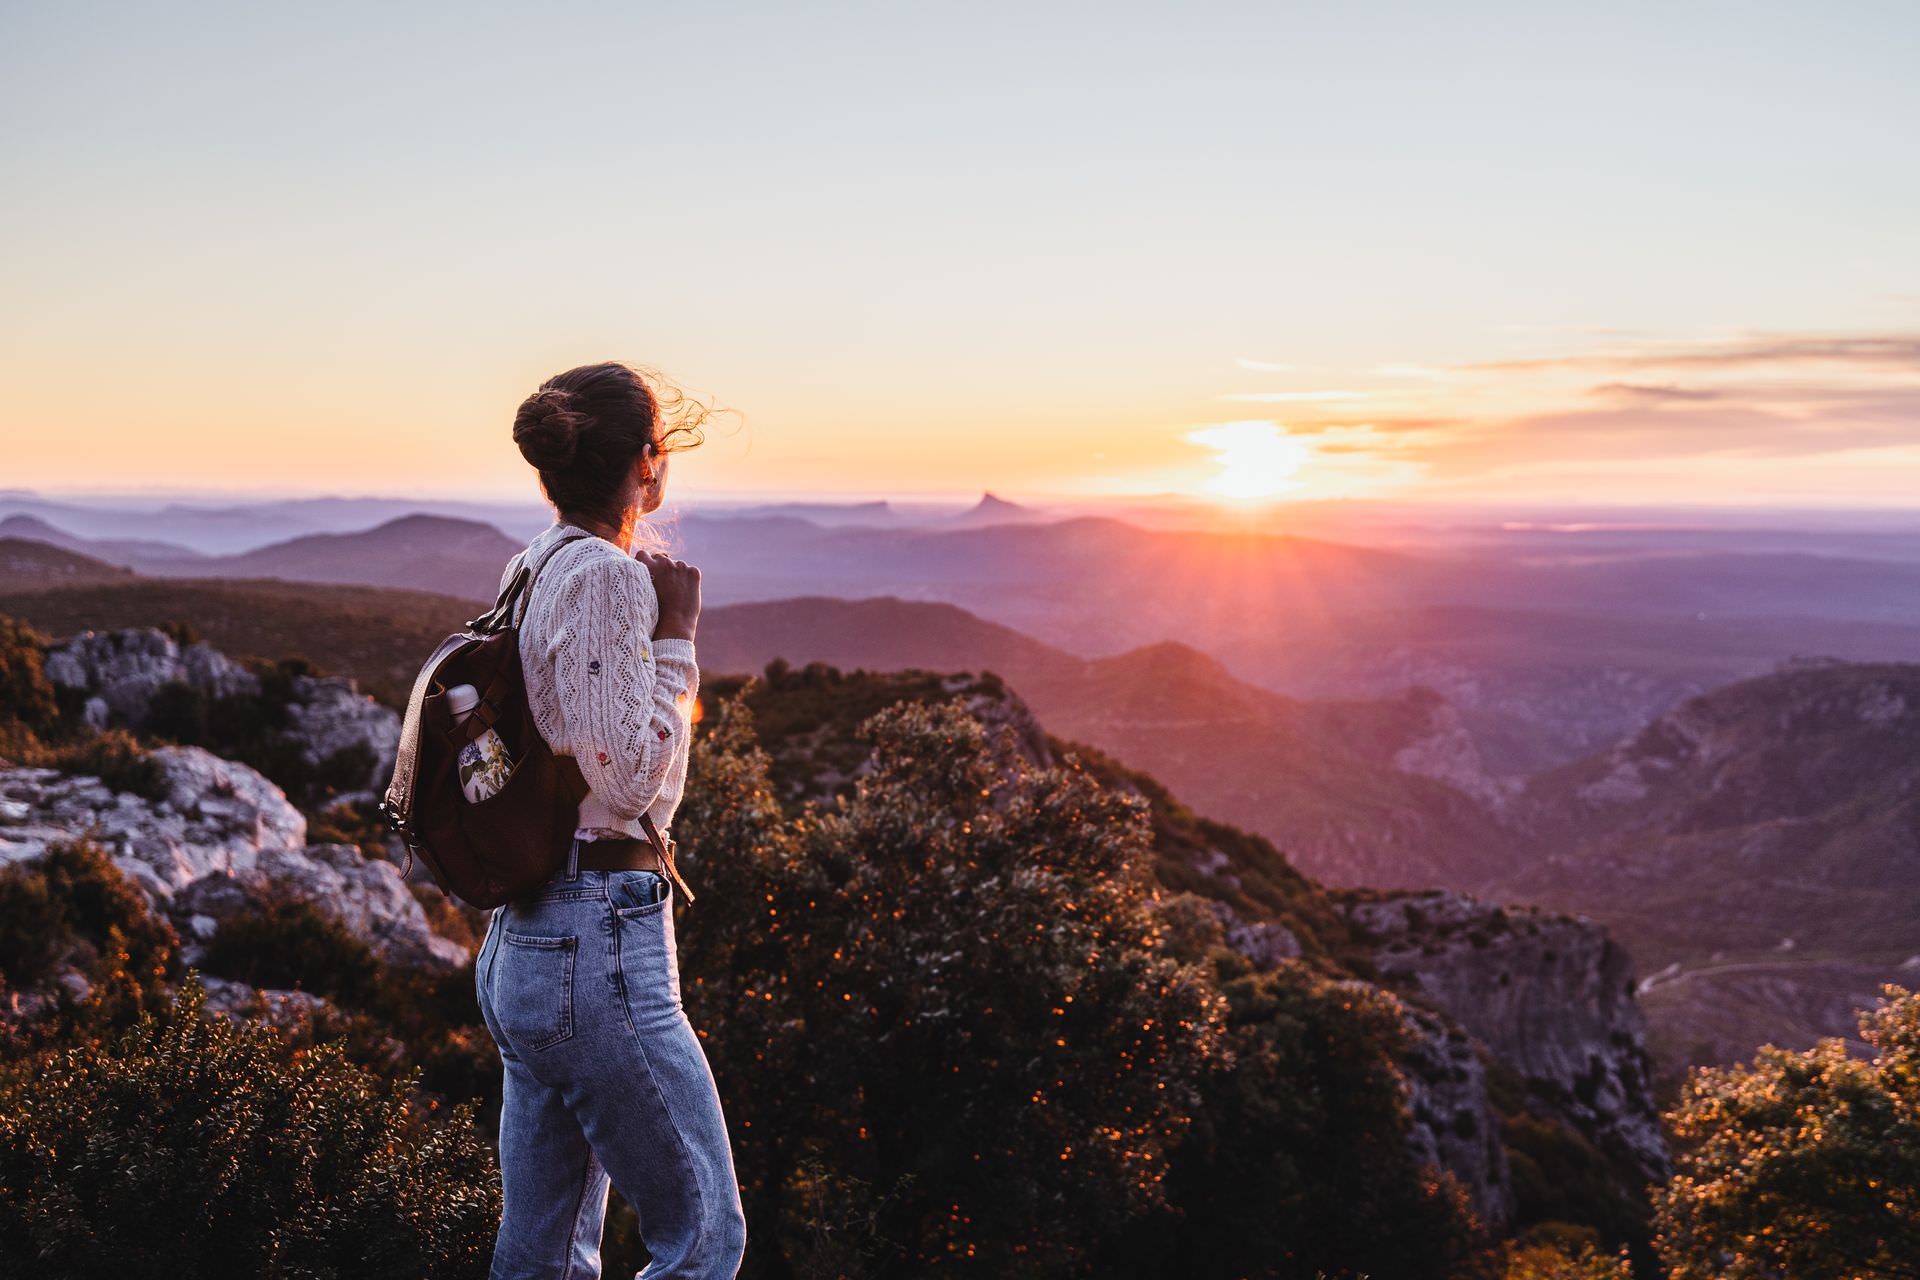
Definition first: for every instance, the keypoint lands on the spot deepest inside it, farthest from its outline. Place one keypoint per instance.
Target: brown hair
(583, 428)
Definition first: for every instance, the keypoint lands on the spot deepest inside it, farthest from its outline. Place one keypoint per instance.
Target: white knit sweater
(601, 688)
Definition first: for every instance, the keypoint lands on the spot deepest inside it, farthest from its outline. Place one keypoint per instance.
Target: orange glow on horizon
(1257, 460)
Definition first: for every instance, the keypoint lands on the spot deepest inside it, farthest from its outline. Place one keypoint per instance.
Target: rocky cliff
(1550, 995)
(120, 678)
(217, 838)
(1486, 989)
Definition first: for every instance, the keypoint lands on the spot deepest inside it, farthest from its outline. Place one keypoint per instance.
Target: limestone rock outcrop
(1551, 995)
(219, 837)
(328, 718)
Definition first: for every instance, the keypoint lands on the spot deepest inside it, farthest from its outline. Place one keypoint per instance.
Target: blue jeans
(579, 984)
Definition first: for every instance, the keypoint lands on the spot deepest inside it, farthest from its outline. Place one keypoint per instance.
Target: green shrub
(1801, 1164)
(286, 942)
(362, 825)
(26, 696)
(1543, 1260)
(113, 756)
(387, 1018)
(73, 906)
(179, 712)
(949, 989)
(1298, 1163)
(196, 1145)
(31, 937)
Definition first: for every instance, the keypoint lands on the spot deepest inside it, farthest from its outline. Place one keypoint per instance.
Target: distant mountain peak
(33, 527)
(426, 521)
(994, 509)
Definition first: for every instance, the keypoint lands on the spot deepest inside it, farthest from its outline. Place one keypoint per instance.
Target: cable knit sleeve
(627, 698)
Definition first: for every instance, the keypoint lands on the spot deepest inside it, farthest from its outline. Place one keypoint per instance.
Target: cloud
(1296, 397)
(1724, 417)
(1647, 394)
(1899, 351)
(1426, 372)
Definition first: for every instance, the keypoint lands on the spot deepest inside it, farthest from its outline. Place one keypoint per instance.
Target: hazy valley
(1519, 721)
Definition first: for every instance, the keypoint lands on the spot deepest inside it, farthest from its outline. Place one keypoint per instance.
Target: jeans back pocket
(533, 988)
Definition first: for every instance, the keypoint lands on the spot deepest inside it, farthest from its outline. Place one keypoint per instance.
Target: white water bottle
(484, 763)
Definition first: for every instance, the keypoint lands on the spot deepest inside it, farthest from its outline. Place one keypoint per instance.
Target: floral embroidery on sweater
(592, 614)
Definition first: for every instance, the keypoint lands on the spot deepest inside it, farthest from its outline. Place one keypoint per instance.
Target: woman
(579, 982)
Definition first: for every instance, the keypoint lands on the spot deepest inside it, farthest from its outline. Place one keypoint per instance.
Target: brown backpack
(491, 851)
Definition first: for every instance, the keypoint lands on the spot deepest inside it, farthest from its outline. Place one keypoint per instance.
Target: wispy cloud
(1649, 394)
(1897, 351)
(1296, 397)
(1728, 415)
(1427, 372)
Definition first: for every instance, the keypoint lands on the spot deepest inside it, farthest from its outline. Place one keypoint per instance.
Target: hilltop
(1471, 1092)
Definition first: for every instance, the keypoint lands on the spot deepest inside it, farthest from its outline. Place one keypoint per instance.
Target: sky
(1606, 254)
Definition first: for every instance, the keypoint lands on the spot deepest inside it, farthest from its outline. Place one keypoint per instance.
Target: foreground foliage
(954, 1033)
(73, 913)
(196, 1145)
(949, 989)
(1802, 1164)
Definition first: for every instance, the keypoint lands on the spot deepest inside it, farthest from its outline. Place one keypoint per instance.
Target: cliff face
(1550, 995)
(1455, 1124)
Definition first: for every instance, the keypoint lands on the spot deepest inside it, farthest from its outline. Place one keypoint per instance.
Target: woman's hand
(677, 584)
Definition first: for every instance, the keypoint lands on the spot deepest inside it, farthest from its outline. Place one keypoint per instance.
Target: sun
(1257, 459)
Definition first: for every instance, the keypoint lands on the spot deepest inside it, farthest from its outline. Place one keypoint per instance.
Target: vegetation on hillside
(198, 1145)
(966, 1016)
(1802, 1164)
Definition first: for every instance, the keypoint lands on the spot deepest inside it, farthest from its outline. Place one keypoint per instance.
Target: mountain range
(1546, 657)
(1719, 790)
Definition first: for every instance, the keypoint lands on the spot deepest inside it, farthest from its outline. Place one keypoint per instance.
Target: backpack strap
(397, 804)
(509, 606)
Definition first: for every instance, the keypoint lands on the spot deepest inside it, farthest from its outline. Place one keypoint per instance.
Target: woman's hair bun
(547, 428)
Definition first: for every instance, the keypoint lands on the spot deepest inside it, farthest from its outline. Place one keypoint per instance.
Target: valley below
(1525, 726)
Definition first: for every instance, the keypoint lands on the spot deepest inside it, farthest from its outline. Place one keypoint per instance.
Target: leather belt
(627, 854)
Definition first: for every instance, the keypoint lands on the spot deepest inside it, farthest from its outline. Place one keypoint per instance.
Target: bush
(949, 991)
(113, 756)
(74, 907)
(1801, 1164)
(361, 824)
(387, 1018)
(26, 696)
(1298, 1164)
(285, 942)
(196, 1145)
(1545, 1261)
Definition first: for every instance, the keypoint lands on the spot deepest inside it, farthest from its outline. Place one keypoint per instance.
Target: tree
(1298, 1164)
(949, 989)
(1542, 1260)
(1803, 1164)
